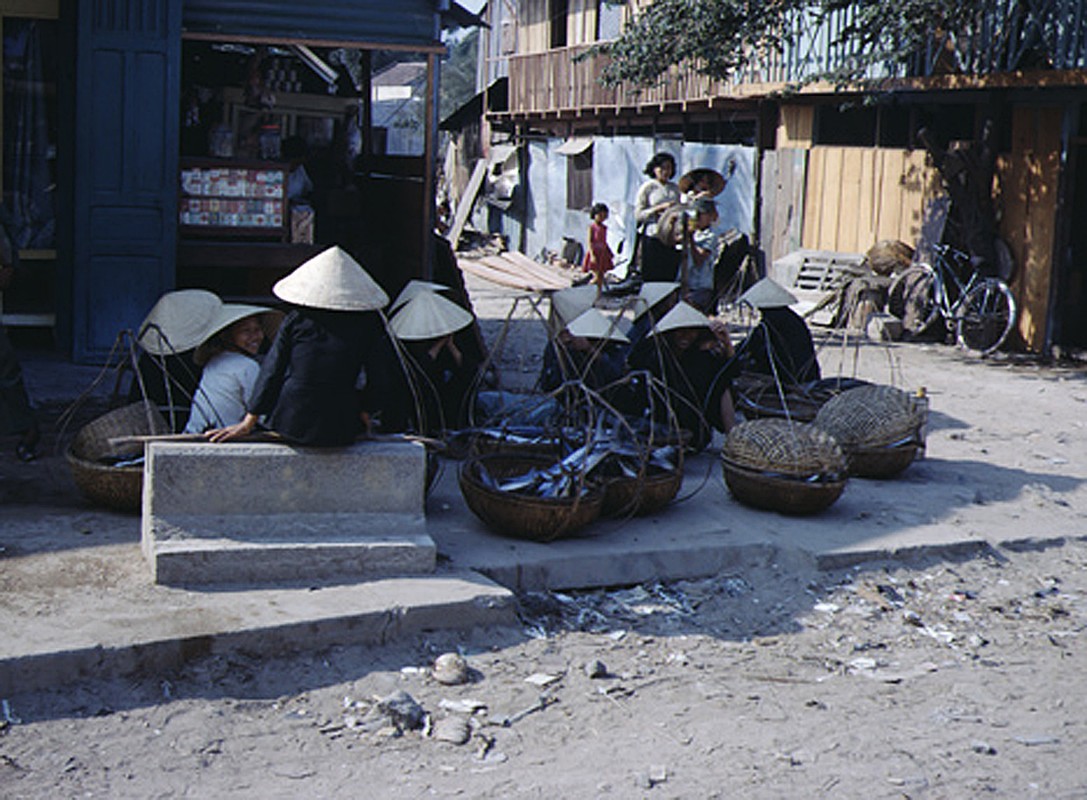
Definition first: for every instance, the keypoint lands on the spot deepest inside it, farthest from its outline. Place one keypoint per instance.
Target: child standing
(598, 257)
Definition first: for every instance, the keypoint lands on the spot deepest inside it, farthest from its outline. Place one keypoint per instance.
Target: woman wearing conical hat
(781, 344)
(229, 358)
(588, 349)
(653, 301)
(166, 373)
(307, 386)
(441, 374)
(686, 354)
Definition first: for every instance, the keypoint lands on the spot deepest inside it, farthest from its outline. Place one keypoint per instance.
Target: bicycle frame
(942, 268)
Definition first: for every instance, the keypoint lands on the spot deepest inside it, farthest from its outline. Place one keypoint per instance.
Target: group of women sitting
(329, 368)
(690, 357)
(319, 374)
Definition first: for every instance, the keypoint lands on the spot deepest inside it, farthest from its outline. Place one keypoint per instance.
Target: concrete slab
(264, 513)
(154, 628)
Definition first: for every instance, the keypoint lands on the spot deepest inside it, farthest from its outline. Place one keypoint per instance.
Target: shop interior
(288, 148)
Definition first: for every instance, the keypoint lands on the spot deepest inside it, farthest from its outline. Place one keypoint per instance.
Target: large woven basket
(521, 516)
(878, 427)
(90, 452)
(776, 465)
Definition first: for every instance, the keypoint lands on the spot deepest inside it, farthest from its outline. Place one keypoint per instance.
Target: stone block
(273, 513)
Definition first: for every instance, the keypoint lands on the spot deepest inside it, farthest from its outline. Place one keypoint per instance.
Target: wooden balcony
(555, 83)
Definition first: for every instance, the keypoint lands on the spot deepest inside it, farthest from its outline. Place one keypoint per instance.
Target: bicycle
(979, 311)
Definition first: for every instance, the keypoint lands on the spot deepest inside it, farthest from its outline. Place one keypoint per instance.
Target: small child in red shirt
(598, 257)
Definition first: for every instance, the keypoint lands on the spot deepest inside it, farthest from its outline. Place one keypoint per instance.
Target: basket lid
(784, 447)
(870, 416)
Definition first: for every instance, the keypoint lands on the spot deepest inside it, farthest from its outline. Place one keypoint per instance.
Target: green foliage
(720, 37)
(458, 74)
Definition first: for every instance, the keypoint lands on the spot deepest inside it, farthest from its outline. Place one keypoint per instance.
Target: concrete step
(117, 635)
(259, 550)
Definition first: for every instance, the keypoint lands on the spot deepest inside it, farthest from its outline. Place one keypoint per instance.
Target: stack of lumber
(516, 270)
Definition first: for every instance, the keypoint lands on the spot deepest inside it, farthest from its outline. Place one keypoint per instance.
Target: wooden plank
(518, 271)
(813, 200)
(771, 195)
(1041, 232)
(536, 268)
(847, 202)
(831, 199)
(473, 266)
(467, 200)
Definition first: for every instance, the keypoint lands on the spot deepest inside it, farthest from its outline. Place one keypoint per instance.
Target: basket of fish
(790, 467)
(530, 496)
(637, 486)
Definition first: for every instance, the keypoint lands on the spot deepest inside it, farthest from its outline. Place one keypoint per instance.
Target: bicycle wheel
(986, 316)
(912, 298)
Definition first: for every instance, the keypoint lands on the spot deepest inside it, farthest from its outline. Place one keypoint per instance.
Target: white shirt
(652, 193)
(226, 388)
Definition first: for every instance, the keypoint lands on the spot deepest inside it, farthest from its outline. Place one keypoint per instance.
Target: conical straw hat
(767, 294)
(333, 281)
(178, 321)
(428, 315)
(652, 293)
(593, 325)
(227, 315)
(568, 304)
(683, 315)
(412, 288)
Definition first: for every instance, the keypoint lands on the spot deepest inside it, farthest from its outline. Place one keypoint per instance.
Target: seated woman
(166, 373)
(588, 349)
(692, 360)
(781, 344)
(441, 375)
(230, 365)
(653, 301)
(307, 386)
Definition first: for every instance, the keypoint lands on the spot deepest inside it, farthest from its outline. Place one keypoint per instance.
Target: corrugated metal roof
(393, 22)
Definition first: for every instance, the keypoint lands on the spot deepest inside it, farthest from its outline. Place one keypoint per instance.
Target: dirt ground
(940, 680)
(940, 677)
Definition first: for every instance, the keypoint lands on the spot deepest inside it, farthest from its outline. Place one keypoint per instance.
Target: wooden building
(837, 171)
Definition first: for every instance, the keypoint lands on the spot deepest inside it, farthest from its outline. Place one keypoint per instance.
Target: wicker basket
(780, 466)
(519, 516)
(889, 256)
(878, 427)
(881, 462)
(641, 495)
(120, 488)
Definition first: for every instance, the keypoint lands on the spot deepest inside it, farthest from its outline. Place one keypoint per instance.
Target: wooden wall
(857, 196)
(1027, 181)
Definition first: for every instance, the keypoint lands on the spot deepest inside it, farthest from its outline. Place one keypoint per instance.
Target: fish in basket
(530, 496)
(777, 465)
